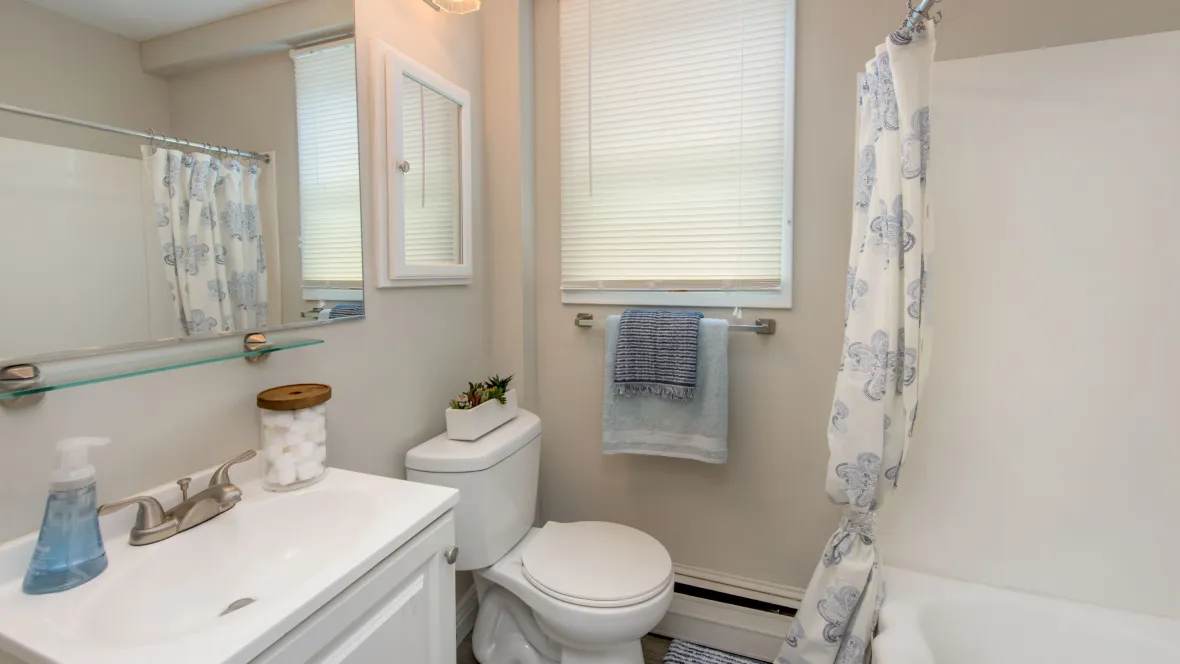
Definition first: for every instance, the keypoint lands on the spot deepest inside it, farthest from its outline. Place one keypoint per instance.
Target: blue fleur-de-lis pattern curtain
(211, 243)
(882, 364)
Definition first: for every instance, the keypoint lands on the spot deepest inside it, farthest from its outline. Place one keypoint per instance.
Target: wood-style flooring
(654, 648)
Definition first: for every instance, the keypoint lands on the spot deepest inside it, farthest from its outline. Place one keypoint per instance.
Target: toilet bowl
(565, 593)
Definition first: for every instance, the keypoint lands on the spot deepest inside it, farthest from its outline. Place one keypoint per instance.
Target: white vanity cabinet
(354, 569)
(400, 612)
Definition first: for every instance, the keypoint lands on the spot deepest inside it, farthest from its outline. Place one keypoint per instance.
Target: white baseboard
(465, 609)
(735, 629)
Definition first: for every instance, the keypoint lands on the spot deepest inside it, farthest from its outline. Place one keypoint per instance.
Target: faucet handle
(150, 515)
(183, 484)
(221, 475)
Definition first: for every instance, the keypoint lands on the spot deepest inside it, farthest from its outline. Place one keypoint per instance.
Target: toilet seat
(596, 564)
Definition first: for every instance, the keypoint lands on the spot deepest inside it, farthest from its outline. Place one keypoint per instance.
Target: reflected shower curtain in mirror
(207, 215)
(883, 361)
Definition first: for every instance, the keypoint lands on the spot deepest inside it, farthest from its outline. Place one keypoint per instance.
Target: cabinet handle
(452, 554)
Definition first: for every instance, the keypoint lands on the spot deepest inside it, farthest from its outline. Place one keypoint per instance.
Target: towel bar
(760, 326)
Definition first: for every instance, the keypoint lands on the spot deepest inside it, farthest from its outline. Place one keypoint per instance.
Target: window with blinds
(329, 166)
(676, 122)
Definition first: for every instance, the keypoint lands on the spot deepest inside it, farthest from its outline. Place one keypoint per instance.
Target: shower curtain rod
(922, 11)
(152, 137)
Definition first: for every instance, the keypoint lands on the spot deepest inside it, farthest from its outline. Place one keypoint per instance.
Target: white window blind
(329, 165)
(430, 129)
(674, 144)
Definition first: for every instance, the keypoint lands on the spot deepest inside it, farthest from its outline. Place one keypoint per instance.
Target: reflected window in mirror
(430, 123)
(329, 172)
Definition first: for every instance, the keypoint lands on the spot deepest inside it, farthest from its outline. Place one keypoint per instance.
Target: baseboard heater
(733, 600)
(729, 622)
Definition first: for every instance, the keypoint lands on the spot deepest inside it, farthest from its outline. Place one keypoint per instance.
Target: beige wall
(763, 515)
(391, 374)
(270, 29)
(59, 65)
(508, 168)
(255, 102)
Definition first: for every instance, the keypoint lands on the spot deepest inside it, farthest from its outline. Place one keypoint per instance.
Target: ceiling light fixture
(454, 6)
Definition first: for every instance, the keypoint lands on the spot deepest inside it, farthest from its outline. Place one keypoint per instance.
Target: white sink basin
(287, 553)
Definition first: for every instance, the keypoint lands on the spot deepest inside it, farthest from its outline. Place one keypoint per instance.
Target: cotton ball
(304, 451)
(284, 468)
(285, 460)
(320, 435)
(293, 438)
(321, 453)
(305, 415)
(280, 418)
(309, 470)
(320, 409)
(272, 477)
(286, 474)
(273, 436)
(303, 428)
(272, 453)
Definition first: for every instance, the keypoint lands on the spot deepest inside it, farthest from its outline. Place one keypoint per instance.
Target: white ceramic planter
(472, 423)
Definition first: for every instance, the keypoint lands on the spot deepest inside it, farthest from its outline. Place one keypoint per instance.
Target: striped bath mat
(683, 652)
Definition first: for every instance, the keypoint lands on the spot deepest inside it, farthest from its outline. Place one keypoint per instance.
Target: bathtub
(932, 620)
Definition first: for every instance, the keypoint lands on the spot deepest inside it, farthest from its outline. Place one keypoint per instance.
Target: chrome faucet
(153, 524)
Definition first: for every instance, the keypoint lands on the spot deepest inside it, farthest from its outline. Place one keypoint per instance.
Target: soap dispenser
(69, 548)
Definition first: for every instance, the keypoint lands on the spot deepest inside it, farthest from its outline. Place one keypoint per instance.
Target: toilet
(565, 593)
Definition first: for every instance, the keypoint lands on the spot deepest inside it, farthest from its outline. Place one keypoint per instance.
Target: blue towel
(349, 309)
(657, 354)
(696, 429)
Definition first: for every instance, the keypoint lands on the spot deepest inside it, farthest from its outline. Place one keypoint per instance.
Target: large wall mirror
(175, 170)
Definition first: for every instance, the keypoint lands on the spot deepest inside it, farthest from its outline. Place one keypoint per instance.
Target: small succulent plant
(492, 389)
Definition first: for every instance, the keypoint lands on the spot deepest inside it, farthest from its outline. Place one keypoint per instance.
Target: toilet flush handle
(452, 554)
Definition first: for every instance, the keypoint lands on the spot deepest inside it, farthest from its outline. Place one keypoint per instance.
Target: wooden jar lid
(294, 397)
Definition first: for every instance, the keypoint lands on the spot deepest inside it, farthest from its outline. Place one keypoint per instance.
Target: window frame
(765, 299)
(351, 291)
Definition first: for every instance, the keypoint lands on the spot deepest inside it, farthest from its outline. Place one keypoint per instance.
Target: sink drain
(237, 604)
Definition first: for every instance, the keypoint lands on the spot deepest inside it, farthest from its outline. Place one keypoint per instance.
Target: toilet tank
(496, 476)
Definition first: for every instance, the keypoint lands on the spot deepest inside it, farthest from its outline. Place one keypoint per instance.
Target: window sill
(328, 294)
(751, 299)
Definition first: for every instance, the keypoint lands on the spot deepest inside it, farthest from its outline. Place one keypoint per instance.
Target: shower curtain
(207, 215)
(883, 361)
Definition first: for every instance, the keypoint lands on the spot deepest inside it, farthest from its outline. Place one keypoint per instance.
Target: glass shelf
(100, 368)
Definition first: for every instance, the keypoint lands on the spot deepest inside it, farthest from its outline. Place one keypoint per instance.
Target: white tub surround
(932, 620)
(329, 552)
(884, 360)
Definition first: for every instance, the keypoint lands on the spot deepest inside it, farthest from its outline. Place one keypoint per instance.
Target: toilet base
(506, 632)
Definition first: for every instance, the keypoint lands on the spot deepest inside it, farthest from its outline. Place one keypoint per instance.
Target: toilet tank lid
(443, 455)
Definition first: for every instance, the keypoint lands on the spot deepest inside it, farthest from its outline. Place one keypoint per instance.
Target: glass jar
(294, 440)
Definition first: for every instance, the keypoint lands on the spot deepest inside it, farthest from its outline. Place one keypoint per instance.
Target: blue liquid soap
(69, 548)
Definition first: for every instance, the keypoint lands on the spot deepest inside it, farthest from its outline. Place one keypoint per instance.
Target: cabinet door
(401, 612)
(409, 626)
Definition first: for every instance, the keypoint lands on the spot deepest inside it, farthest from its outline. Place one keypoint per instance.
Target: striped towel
(683, 652)
(657, 354)
(349, 309)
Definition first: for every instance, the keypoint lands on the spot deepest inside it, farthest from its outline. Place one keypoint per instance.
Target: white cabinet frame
(388, 66)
